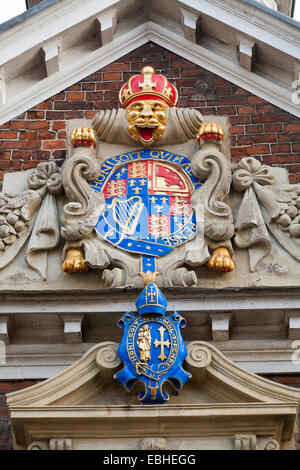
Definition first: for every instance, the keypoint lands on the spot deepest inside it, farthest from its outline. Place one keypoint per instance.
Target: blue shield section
(147, 194)
(152, 351)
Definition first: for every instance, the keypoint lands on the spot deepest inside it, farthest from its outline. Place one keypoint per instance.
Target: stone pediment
(59, 43)
(221, 407)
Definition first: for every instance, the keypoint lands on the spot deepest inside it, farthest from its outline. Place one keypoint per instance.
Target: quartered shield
(148, 202)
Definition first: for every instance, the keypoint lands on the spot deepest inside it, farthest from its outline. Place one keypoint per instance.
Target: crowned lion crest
(147, 186)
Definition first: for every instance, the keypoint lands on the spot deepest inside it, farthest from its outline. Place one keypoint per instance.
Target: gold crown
(148, 277)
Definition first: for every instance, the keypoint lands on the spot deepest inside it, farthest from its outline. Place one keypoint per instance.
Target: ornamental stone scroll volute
(147, 186)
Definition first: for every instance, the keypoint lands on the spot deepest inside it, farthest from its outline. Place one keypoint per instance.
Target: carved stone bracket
(213, 215)
(73, 328)
(249, 442)
(5, 328)
(220, 326)
(60, 444)
(245, 442)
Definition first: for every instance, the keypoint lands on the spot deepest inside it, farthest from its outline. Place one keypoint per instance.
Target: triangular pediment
(219, 393)
(62, 43)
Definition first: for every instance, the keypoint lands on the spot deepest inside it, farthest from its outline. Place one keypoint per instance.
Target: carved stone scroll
(82, 212)
(208, 202)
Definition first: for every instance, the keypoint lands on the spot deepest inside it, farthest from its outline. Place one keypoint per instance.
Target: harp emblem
(148, 202)
(127, 213)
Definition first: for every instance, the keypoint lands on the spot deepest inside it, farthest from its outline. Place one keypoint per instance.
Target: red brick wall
(258, 128)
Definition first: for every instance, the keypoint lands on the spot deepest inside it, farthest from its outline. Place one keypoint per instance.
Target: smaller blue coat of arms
(152, 348)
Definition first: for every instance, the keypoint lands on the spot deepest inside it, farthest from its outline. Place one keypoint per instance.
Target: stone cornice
(237, 394)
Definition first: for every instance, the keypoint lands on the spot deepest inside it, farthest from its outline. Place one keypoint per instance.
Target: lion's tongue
(146, 133)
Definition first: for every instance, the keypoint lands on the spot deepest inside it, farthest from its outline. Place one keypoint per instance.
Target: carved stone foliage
(265, 208)
(32, 212)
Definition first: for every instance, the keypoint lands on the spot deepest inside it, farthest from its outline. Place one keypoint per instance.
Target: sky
(12, 8)
(16, 7)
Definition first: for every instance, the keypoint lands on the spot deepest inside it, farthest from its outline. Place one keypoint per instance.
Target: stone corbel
(292, 320)
(73, 328)
(245, 442)
(52, 54)
(60, 444)
(220, 326)
(5, 328)
(250, 442)
(297, 70)
(246, 52)
(189, 24)
(106, 25)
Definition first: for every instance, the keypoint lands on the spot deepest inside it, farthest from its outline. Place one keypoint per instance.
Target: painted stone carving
(149, 205)
(152, 348)
(150, 187)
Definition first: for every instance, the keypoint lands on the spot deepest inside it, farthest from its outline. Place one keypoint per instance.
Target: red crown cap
(148, 86)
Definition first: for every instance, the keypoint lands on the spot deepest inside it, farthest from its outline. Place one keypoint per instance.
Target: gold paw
(74, 262)
(83, 137)
(221, 260)
(211, 131)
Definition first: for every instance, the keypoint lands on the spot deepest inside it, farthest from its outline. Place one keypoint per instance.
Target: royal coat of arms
(144, 195)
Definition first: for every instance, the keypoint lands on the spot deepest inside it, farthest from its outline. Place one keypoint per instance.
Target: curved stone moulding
(240, 403)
